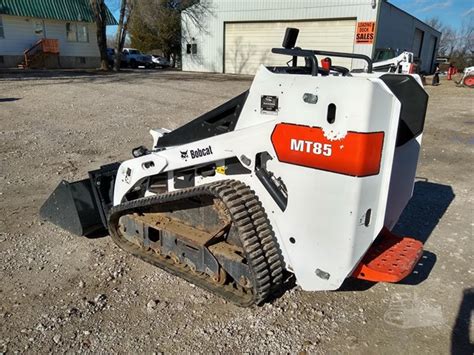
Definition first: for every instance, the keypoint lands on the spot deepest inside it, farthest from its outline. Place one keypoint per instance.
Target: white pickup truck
(134, 58)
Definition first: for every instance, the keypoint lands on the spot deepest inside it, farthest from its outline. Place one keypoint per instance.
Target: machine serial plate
(269, 104)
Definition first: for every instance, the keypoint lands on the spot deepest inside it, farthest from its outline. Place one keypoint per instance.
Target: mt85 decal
(357, 154)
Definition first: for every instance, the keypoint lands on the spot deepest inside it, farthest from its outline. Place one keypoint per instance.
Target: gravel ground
(60, 293)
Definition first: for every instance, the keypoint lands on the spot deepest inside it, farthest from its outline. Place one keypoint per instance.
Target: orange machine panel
(356, 154)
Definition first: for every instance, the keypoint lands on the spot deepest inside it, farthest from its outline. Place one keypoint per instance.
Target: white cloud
(437, 5)
(469, 12)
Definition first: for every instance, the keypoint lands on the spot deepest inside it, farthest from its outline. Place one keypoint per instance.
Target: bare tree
(448, 42)
(435, 22)
(126, 8)
(466, 37)
(449, 36)
(457, 45)
(110, 41)
(463, 55)
(196, 12)
(100, 14)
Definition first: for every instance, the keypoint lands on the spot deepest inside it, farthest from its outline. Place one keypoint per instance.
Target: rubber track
(258, 241)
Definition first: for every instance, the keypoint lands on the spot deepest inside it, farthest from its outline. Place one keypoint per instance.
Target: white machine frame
(331, 219)
(402, 64)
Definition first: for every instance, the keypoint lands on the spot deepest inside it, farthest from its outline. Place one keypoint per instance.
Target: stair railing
(45, 45)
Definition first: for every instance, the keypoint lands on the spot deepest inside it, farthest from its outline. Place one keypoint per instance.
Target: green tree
(156, 24)
(143, 35)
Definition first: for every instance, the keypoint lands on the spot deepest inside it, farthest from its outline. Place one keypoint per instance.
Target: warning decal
(365, 32)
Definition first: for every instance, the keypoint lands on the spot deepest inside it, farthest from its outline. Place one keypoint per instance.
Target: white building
(237, 36)
(59, 33)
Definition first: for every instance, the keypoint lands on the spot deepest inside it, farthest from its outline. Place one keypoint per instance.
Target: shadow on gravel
(186, 76)
(66, 76)
(460, 336)
(125, 75)
(425, 209)
(289, 282)
(17, 74)
(9, 99)
(420, 217)
(102, 233)
(351, 284)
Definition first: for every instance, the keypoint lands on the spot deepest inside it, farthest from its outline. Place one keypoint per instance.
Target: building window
(71, 32)
(191, 48)
(2, 34)
(81, 60)
(77, 32)
(2, 61)
(82, 33)
(39, 27)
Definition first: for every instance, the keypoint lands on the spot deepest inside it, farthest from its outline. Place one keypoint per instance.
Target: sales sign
(365, 32)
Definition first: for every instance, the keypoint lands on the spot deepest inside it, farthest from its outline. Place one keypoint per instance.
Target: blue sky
(450, 12)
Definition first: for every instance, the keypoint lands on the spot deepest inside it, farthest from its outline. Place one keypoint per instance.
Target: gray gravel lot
(60, 293)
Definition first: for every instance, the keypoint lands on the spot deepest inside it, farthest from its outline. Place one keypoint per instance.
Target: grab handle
(300, 53)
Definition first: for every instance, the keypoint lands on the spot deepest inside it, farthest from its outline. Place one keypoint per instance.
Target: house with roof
(49, 34)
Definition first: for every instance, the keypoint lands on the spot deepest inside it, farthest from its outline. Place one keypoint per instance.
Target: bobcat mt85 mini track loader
(306, 172)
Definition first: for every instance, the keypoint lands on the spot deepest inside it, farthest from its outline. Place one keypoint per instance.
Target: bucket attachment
(81, 207)
(72, 206)
(390, 258)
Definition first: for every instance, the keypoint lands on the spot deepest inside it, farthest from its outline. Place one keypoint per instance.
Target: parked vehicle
(403, 63)
(134, 58)
(468, 77)
(161, 62)
(110, 56)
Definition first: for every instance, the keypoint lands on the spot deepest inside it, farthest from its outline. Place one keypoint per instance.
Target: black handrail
(310, 54)
(300, 53)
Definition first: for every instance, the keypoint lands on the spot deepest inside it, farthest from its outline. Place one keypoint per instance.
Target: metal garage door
(248, 44)
(418, 42)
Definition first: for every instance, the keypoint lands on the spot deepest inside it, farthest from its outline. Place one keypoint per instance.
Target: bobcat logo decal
(196, 153)
(184, 155)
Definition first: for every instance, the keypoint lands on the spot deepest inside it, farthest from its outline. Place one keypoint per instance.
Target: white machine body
(402, 64)
(331, 141)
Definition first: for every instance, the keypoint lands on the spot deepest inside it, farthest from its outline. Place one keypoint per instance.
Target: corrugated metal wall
(67, 10)
(397, 30)
(209, 35)
(247, 43)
